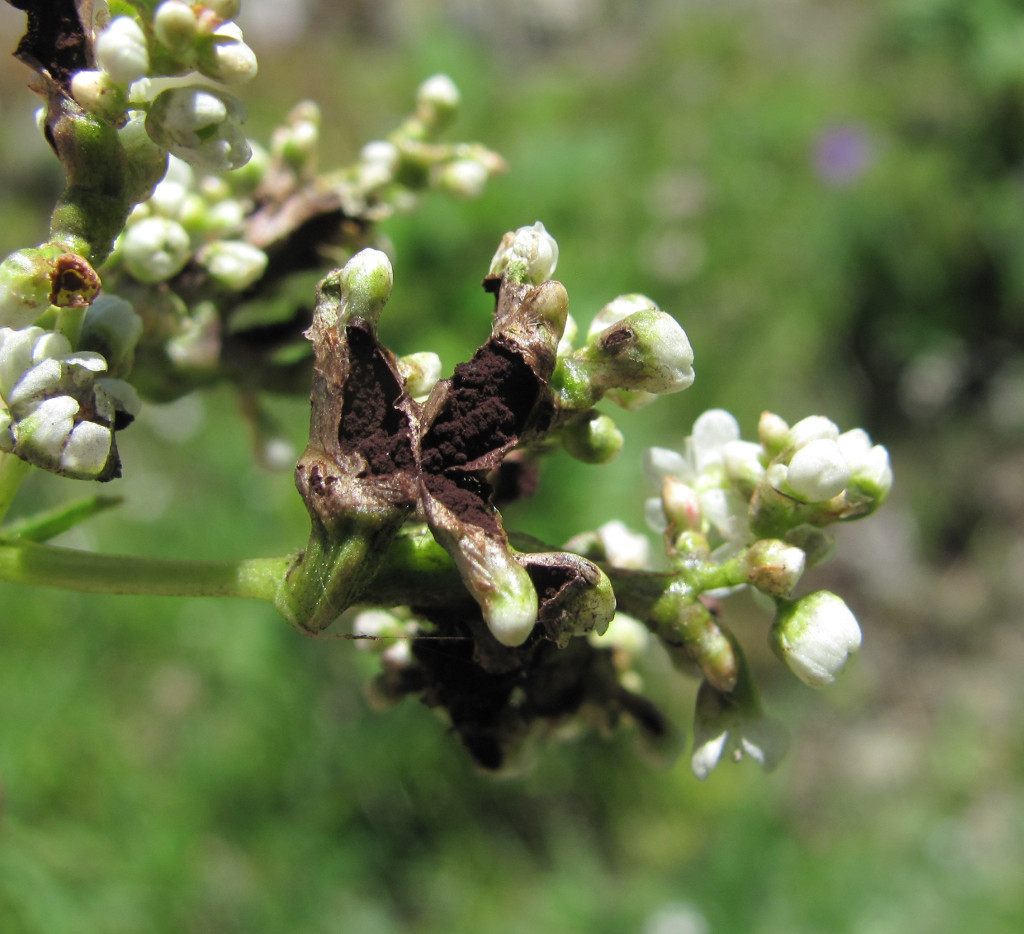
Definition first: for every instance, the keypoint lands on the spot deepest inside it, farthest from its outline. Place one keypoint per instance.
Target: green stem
(12, 471)
(48, 565)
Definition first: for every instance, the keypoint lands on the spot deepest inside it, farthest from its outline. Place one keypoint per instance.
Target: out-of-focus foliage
(828, 196)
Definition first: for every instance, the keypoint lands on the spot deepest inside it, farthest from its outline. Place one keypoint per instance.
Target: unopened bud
(774, 567)
(175, 25)
(234, 264)
(200, 125)
(464, 178)
(25, 286)
(818, 471)
(617, 309)
(366, 281)
(812, 428)
(98, 93)
(742, 462)
(814, 636)
(870, 470)
(646, 351)
(593, 439)
(772, 432)
(439, 98)
(121, 50)
(112, 329)
(155, 249)
(421, 371)
(680, 503)
(529, 255)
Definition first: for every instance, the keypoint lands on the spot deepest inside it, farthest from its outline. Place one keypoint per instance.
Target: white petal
(87, 450)
(711, 432)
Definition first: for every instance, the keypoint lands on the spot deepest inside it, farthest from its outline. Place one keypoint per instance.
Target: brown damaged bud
(575, 595)
(360, 457)
(474, 419)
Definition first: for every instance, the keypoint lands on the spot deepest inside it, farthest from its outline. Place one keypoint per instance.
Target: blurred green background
(829, 196)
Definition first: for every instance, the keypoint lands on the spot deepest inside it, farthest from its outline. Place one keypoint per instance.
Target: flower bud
(870, 470)
(155, 249)
(234, 264)
(529, 255)
(814, 636)
(617, 309)
(464, 178)
(121, 50)
(175, 25)
(772, 432)
(593, 439)
(227, 59)
(438, 99)
(508, 601)
(366, 281)
(681, 505)
(200, 125)
(646, 351)
(98, 93)
(818, 471)
(112, 329)
(812, 428)
(25, 286)
(774, 567)
(421, 371)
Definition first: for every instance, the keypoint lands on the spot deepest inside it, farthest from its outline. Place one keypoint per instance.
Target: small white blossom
(624, 548)
(724, 726)
(121, 50)
(815, 636)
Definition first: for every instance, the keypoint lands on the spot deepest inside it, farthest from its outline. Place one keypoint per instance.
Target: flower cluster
(58, 409)
(197, 123)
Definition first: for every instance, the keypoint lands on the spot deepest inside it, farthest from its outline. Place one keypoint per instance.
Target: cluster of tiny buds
(197, 123)
(192, 215)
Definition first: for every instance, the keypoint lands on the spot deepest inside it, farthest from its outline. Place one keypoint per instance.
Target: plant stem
(48, 565)
(12, 471)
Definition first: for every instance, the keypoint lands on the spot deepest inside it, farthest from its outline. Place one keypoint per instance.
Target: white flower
(624, 548)
(814, 636)
(724, 726)
(200, 125)
(701, 466)
(121, 50)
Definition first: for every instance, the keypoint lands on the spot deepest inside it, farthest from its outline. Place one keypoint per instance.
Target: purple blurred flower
(842, 154)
